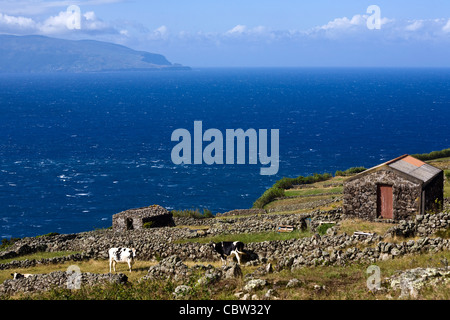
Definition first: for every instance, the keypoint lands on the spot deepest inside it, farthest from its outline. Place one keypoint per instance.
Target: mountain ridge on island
(41, 54)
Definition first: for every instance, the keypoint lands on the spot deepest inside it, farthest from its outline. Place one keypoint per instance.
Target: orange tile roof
(413, 161)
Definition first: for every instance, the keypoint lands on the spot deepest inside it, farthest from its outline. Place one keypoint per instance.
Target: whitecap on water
(83, 194)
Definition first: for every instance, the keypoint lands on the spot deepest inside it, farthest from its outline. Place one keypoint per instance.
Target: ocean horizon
(77, 148)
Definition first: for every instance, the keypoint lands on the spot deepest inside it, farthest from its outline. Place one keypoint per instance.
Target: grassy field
(251, 237)
(310, 197)
(351, 226)
(316, 283)
(350, 282)
(312, 192)
(94, 266)
(40, 255)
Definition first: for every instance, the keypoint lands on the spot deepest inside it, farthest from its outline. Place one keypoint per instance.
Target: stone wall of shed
(120, 221)
(360, 195)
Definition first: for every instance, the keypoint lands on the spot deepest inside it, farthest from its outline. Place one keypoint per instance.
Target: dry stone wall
(242, 212)
(58, 279)
(422, 225)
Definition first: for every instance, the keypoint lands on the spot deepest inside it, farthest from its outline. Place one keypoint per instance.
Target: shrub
(322, 229)
(51, 234)
(350, 171)
(268, 196)
(444, 233)
(433, 155)
(148, 225)
(277, 190)
(7, 243)
(193, 213)
(284, 183)
(312, 179)
(287, 183)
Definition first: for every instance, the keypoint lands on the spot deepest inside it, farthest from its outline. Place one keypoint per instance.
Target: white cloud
(92, 23)
(244, 30)
(446, 28)
(344, 23)
(11, 23)
(53, 25)
(416, 25)
(345, 27)
(161, 33)
(239, 29)
(340, 29)
(36, 7)
(90, 16)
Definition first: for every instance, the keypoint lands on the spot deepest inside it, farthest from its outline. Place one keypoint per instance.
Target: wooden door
(385, 202)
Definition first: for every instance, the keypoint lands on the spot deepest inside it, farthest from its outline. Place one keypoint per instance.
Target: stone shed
(134, 219)
(396, 190)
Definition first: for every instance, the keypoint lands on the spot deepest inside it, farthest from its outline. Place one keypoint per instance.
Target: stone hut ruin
(137, 219)
(395, 190)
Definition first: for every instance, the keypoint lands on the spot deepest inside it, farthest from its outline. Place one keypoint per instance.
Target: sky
(251, 33)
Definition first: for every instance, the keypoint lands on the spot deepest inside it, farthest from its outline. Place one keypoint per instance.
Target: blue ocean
(77, 148)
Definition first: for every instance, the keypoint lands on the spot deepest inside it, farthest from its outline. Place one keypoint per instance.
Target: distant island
(40, 54)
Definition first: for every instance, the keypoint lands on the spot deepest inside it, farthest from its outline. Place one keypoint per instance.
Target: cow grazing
(17, 275)
(226, 249)
(121, 255)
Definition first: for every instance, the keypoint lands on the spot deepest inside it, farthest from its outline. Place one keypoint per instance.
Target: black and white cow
(16, 275)
(121, 255)
(226, 249)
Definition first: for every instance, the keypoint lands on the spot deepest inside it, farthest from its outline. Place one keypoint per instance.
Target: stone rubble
(410, 282)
